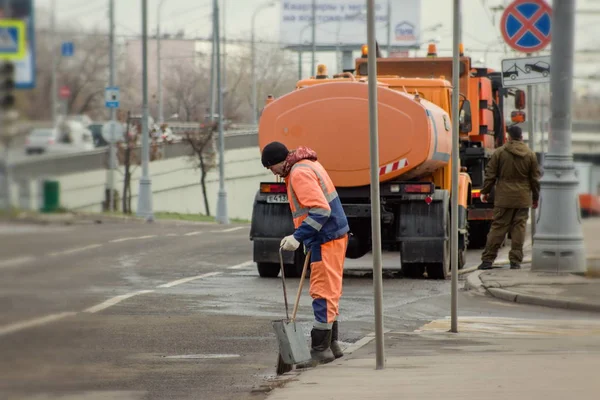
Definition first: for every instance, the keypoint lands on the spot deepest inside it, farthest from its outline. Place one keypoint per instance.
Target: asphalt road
(166, 310)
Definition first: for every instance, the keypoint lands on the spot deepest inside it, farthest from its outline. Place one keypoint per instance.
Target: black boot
(335, 345)
(320, 351)
(515, 265)
(485, 265)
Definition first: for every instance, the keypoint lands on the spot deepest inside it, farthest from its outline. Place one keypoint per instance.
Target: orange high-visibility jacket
(316, 208)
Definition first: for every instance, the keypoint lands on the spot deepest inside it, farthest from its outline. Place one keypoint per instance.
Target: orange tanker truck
(330, 115)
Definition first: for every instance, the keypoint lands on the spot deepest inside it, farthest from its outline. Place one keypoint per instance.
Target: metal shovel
(292, 344)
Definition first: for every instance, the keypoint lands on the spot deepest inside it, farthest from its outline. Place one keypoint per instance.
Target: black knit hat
(274, 153)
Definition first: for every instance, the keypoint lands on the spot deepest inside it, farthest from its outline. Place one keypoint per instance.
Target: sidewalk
(562, 290)
(491, 358)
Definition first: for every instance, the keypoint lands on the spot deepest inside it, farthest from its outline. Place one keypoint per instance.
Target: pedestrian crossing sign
(12, 39)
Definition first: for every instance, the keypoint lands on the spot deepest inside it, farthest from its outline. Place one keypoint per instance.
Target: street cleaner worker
(321, 226)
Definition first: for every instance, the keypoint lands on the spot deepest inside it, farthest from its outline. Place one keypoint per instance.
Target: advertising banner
(343, 23)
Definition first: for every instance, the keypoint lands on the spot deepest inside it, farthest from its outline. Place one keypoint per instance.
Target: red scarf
(301, 153)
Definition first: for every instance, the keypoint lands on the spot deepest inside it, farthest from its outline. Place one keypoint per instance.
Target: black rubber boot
(336, 349)
(485, 265)
(320, 351)
(515, 265)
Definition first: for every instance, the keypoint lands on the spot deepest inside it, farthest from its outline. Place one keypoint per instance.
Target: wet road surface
(164, 310)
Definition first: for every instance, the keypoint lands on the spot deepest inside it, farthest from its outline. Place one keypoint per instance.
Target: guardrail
(63, 164)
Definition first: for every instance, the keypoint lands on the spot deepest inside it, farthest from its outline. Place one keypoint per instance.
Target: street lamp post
(254, 101)
(559, 245)
(221, 216)
(158, 66)
(144, 208)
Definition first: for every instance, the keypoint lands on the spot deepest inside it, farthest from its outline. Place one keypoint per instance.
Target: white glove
(289, 243)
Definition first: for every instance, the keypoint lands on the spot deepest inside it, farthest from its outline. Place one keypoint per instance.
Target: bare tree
(85, 73)
(201, 143)
(187, 89)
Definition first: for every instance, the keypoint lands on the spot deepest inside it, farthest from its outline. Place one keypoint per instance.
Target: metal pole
(7, 142)
(144, 208)
(531, 126)
(7, 172)
(543, 123)
(314, 39)
(375, 200)
(558, 245)
(161, 116)
(213, 83)
(389, 28)
(222, 200)
(254, 116)
(54, 85)
(299, 64)
(224, 63)
(111, 82)
(455, 168)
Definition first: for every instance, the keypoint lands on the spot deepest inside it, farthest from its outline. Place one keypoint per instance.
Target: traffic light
(7, 85)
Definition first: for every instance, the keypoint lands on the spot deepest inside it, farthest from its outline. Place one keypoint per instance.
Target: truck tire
(440, 270)
(268, 270)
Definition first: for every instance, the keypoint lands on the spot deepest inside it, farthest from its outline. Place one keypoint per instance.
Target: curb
(474, 283)
(542, 301)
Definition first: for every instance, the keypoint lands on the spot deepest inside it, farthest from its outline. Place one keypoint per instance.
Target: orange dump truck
(330, 115)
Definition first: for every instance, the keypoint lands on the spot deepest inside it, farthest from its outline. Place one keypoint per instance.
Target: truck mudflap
(271, 221)
(422, 228)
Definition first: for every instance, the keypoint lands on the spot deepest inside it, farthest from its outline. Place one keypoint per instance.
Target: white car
(38, 140)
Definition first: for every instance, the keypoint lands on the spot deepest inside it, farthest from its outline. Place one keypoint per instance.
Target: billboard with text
(344, 23)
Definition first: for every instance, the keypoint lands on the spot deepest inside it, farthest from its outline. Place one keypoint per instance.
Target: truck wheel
(440, 270)
(268, 270)
(413, 270)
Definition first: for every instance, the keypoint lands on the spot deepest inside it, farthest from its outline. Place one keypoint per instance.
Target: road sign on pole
(525, 71)
(112, 131)
(64, 92)
(67, 49)
(12, 39)
(526, 25)
(112, 97)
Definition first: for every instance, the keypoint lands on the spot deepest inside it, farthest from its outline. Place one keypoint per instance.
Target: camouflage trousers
(507, 220)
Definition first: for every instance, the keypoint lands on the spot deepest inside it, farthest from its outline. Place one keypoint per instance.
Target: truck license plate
(277, 198)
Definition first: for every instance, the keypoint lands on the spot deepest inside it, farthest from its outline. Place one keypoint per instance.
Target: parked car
(38, 140)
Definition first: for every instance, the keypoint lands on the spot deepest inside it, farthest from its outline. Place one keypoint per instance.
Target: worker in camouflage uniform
(514, 170)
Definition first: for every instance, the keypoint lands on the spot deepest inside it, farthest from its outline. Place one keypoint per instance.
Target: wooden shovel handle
(302, 277)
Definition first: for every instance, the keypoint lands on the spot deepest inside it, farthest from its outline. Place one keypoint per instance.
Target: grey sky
(193, 16)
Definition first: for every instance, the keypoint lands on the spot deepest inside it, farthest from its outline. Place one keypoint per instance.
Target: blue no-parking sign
(526, 25)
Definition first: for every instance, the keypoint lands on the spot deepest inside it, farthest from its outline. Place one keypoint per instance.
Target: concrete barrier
(175, 185)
